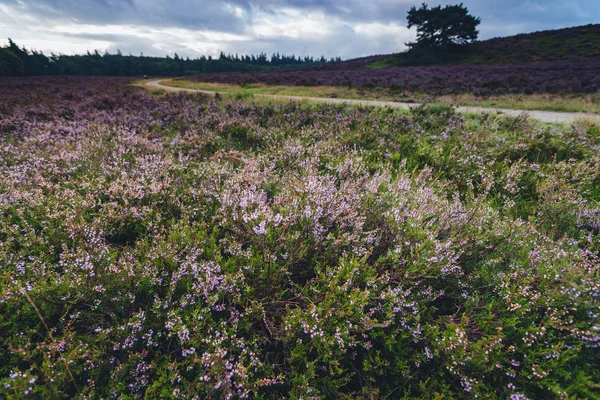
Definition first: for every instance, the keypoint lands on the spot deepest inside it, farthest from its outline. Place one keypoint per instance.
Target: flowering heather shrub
(581, 76)
(558, 61)
(185, 248)
(575, 43)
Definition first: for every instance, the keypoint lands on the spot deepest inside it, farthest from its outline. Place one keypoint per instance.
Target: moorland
(555, 70)
(182, 246)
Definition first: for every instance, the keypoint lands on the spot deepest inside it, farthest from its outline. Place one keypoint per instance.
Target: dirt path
(543, 116)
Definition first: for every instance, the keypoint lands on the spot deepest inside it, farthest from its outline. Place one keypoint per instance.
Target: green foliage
(439, 28)
(181, 248)
(10, 64)
(34, 63)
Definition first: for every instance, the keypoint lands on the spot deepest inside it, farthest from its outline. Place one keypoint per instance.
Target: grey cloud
(211, 15)
(343, 41)
(219, 15)
(499, 18)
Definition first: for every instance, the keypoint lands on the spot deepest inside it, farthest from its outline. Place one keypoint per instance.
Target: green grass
(545, 102)
(589, 103)
(260, 89)
(388, 62)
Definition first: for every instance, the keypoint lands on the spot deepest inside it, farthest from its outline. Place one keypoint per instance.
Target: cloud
(213, 15)
(346, 28)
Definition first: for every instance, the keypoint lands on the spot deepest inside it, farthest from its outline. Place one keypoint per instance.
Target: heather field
(555, 70)
(562, 62)
(180, 247)
(547, 77)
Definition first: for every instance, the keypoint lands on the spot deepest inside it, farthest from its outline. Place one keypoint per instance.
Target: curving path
(543, 116)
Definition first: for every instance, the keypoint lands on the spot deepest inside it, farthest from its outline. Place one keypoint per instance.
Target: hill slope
(565, 61)
(569, 44)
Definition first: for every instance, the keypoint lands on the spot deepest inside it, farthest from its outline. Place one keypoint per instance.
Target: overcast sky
(345, 28)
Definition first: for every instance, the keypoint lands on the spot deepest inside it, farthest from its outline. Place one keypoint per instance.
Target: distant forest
(17, 61)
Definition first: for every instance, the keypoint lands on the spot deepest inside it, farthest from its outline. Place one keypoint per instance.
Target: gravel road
(543, 116)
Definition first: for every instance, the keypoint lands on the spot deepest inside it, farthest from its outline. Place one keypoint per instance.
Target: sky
(191, 28)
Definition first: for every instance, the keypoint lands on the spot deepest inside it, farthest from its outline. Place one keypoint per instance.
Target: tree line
(18, 61)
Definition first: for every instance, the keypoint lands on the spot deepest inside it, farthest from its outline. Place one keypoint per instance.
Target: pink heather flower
(518, 396)
(260, 228)
(428, 353)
